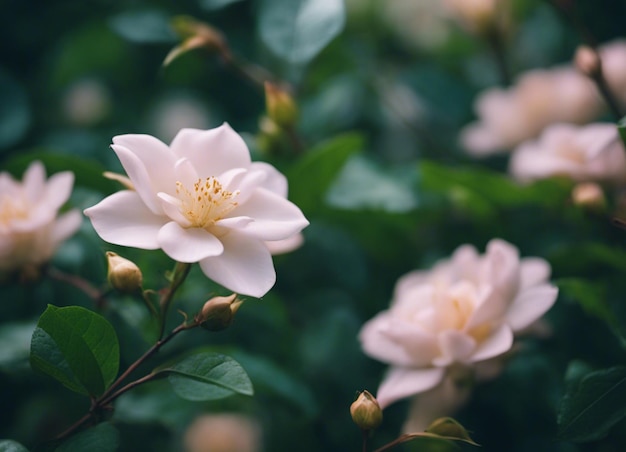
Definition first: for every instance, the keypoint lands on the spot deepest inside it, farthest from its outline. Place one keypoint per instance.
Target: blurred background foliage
(380, 176)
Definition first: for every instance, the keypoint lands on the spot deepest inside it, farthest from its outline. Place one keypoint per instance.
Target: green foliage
(77, 347)
(101, 438)
(593, 404)
(15, 114)
(311, 178)
(297, 30)
(8, 445)
(207, 376)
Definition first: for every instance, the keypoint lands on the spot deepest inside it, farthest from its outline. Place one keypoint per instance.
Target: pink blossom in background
(463, 311)
(613, 56)
(31, 228)
(592, 153)
(508, 117)
(203, 200)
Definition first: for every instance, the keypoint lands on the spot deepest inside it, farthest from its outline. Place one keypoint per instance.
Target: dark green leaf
(14, 111)
(590, 295)
(297, 30)
(212, 5)
(7, 445)
(77, 347)
(310, 180)
(208, 376)
(591, 407)
(363, 185)
(144, 26)
(101, 438)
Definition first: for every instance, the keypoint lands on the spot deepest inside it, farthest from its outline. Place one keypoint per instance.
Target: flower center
(11, 209)
(206, 203)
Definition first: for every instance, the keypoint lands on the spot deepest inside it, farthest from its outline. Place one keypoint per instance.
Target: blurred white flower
(86, 102)
(476, 15)
(201, 200)
(223, 433)
(30, 228)
(178, 111)
(613, 55)
(508, 117)
(591, 153)
(465, 310)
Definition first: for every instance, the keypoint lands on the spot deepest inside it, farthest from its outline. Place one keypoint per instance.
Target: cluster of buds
(218, 313)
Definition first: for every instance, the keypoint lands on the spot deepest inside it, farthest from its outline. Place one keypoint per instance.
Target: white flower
(584, 154)
(201, 200)
(30, 231)
(464, 310)
(613, 55)
(508, 117)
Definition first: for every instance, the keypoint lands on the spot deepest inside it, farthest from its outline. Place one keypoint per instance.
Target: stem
(365, 435)
(81, 284)
(180, 274)
(606, 93)
(110, 394)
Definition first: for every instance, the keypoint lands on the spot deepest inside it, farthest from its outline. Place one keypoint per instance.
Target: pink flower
(30, 228)
(584, 154)
(540, 97)
(613, 55)
(201, 200)
(465, 310)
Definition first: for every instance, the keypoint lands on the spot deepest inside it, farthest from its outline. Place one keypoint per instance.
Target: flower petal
(531, 304)
(244, 267)
(533, 271)
(455, 346)
(34, 181)
(213, 151)
(275, 218)
(140, 177)
(65, 226)
(380, 339)
(402, 382)
(498, 342)
(56, 191)
(286, 245)
(124, 219)
(188, 244)
(275, 181)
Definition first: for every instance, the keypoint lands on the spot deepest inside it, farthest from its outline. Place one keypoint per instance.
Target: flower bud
(195, 35)
(589, 195)
(587, 61)
(281, 107)
(218, 313)
(366, 412)
(123, 275)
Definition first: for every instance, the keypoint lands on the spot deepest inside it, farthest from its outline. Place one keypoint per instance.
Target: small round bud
(587, 61)
(589, 195)
(280, 106)
(123, 275)
(366, 412)
(218, 313)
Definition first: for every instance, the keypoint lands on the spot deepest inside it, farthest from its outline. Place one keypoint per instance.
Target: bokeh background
(381, 176)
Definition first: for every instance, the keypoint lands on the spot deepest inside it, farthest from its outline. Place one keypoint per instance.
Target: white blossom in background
(203, 200)
(591, 153)
(508, 117)
(223, 433)
(87, 102)
(613, 56)
(31, 228)
(464, 311)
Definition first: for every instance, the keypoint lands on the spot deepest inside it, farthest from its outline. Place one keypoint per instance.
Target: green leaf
(101, 438)
(7, 445)
(148, 26)
(590, 295)
(208, 376)
(297, 30)
(15, 115)
(364, 185)
(311, 178)
(482, 190)
(593, 405)
(621, 128)
(212, 5)
(77, 347)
